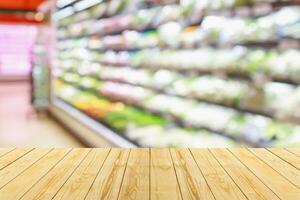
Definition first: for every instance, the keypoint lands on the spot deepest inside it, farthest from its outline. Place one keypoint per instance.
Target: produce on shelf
(255, 59)
(213, 89)
(254, 129)
(238, 60)
(237, 30)
(116, 114)
(139, 20)
(177, 137)
(214, 30)
(125, 92)
(137, 125)
(285, 65)
(201, 73)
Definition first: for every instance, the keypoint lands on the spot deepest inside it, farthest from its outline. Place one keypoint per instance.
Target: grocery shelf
(281, 43)
(161, 91)
(254, 9)
(196, 20)
(93, 132)
(201, 72)
(155, 5)
(149, 27)
(241, 109)
(268, 45)
(87, 35)
(247, 71)
(247, 10)
(179, 122)
(194, 71)
(264, 45)
(148, 5)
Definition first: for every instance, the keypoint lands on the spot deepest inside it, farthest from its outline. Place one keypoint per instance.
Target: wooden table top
(28, 173)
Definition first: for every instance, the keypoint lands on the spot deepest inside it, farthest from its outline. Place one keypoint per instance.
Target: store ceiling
(20, 5)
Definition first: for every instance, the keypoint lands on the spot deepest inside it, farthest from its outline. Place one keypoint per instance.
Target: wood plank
(21, 184)
(136, 180)
(220, 183)
(282, 167)
(13, 170)
(5, 151)
(50, 184)
(108, 181)
(278, 184)
(295, 151)
(206, 174)
(287, 156)
(251, 186)
(78, 185)
(13, 156)
(192, 183)
(164, 184)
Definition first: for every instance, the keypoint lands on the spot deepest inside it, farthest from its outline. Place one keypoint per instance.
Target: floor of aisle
(19, 125)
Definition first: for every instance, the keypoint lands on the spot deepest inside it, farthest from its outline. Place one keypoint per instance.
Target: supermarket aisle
(19, 126)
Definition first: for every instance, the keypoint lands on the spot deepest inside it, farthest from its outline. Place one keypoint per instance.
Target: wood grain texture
(108, 181)
(142, 174)
(162, 166)
(276, 182)
(191, 181)
(282, 167)
(11, 156)
(251, 186)
(136, 181)
(4, 151)
(48, 186)
(219, 181)
(80, 182)
(31, 175)
(291, 157)
(13, 170)
(295, 151)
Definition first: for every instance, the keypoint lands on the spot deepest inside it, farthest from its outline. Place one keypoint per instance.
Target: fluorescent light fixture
(63, 3)
(63, 13)
(81, 5)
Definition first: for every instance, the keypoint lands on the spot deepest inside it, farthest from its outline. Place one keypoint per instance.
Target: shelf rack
(92, 132)
(178, 121)
(234, 11)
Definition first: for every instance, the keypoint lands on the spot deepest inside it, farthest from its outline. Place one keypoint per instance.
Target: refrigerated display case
(180, 73)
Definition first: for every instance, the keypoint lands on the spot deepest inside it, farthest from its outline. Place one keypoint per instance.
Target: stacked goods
(188, 73)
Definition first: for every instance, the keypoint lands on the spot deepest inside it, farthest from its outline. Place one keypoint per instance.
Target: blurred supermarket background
(150, 73)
